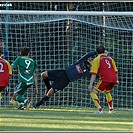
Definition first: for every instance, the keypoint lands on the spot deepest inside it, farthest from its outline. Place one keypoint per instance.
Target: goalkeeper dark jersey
(78, 69)
(27, 67)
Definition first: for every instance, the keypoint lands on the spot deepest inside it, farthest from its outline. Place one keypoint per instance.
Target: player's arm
(36, 83)
(115, 69)
(87, 55)
(15, 64)
(117, 78)
(88, 63)
(9, 68)
(93, 71)
(93, 77)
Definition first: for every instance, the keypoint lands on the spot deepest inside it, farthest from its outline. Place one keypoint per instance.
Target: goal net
(58, 39)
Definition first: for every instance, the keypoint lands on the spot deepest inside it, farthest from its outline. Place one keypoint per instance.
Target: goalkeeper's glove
(87, 64)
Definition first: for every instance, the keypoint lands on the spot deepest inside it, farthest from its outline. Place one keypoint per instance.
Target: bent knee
(44, 75)
(51, 92)
(14, 96)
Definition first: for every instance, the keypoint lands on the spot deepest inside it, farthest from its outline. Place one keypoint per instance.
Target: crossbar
(88, 13)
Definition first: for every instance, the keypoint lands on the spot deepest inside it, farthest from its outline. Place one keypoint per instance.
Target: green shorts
(22, 87)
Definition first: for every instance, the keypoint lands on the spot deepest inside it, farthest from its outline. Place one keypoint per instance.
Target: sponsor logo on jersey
(79, 69)
(27, 71)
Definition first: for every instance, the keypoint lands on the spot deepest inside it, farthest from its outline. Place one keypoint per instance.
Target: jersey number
(1, 67)
(27, 62)
(108, 63)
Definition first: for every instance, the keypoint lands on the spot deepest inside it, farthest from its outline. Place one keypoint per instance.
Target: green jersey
(26, 67)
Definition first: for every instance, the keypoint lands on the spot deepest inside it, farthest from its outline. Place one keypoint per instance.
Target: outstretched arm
(88, 63)
(87, 55)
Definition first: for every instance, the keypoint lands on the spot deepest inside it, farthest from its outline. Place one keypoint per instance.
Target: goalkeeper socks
(20, 99)
(44, 99)
(95, 99)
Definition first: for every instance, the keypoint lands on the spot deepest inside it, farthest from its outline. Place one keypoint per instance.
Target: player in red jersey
(105, 67)
(5, 72)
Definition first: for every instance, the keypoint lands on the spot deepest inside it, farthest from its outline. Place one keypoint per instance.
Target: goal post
(59, 38)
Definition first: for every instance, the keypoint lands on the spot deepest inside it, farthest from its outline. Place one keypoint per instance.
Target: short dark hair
(24, 51)
(100, 49)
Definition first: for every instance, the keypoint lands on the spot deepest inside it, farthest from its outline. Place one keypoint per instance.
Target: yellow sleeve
(9, 68)
(95, 65)
(114, 66)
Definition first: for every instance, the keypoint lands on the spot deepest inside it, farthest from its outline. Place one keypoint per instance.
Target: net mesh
(56, 41)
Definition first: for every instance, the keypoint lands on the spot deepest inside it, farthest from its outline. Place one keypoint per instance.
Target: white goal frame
(94, 13)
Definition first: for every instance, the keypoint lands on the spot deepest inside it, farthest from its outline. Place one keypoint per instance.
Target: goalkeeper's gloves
(87, 64)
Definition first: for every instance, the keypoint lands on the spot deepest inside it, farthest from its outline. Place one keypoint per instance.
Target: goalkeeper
(62, 78)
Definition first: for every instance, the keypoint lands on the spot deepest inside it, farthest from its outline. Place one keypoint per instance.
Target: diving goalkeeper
(61, 78)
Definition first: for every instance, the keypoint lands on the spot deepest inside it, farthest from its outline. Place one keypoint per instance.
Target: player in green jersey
(27, 77)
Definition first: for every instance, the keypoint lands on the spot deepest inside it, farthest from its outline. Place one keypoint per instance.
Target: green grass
(64, 119)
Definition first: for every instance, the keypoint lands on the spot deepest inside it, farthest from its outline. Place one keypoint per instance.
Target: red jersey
(105, 67)
(5, 72)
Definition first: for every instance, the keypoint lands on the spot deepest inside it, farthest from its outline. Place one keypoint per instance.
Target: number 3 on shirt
(108, 63)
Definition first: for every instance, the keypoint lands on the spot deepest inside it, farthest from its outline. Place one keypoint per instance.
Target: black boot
(43, 100)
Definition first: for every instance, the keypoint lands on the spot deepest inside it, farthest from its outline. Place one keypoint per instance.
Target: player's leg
(14, 102)
(110, 102)
(50, 75)
(96, 101)
(99, 87)
(1, 92)
(0, 95)
(6, 95)
(1, 89)
(18, 98)
(109, 98)
(18, 95)
(49, 94)
(45, 78)
(53, 75)
(61, 81)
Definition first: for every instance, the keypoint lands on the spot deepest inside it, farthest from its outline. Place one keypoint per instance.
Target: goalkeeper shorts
(59, 78)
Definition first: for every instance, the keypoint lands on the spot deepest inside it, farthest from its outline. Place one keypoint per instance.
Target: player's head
(100, 49)
(24, 51)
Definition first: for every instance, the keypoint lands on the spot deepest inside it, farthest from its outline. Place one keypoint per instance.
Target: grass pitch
(64, 119)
